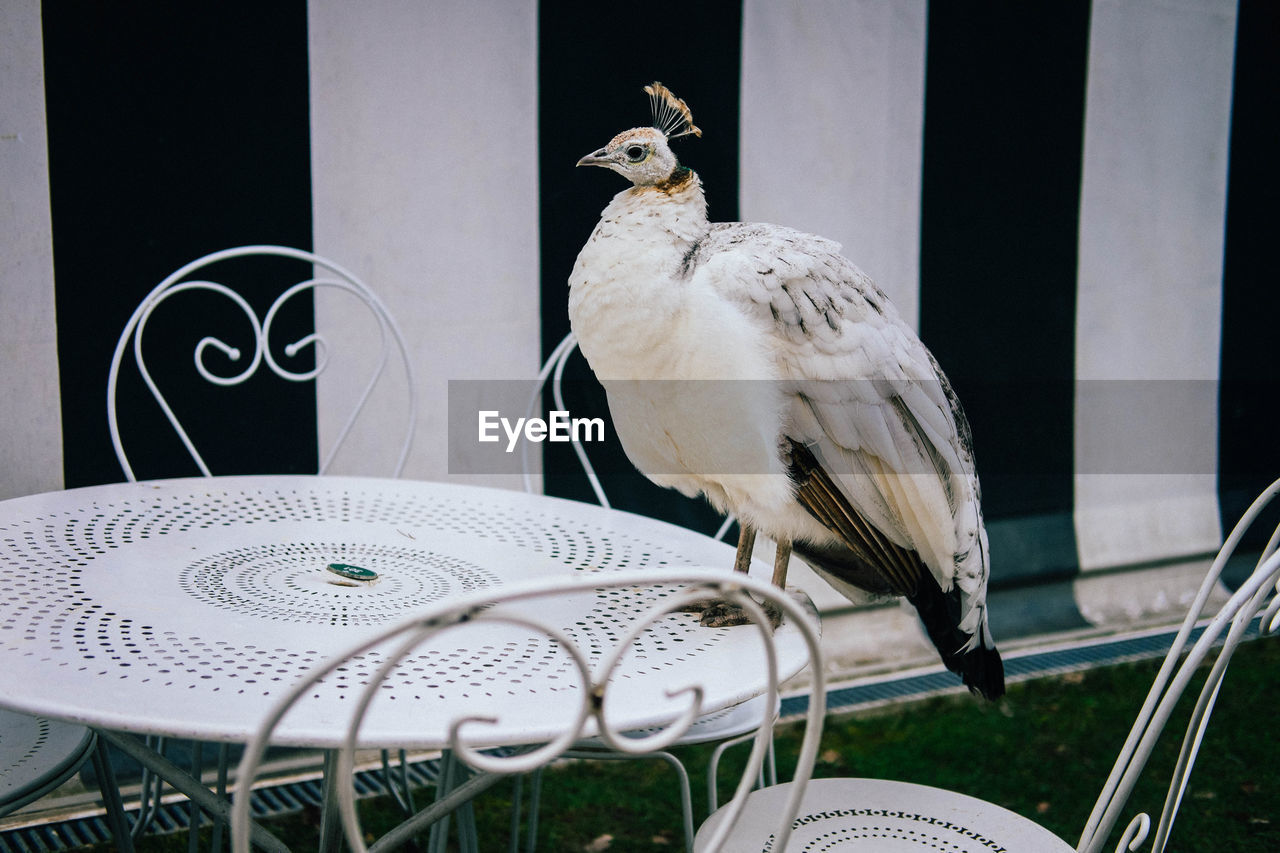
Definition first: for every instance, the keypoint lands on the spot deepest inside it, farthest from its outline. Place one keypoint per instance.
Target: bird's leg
(746, 544)
(741, 563)
(722, 614)
(781, 559)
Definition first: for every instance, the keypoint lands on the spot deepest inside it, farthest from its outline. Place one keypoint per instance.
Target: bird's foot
(722, 614)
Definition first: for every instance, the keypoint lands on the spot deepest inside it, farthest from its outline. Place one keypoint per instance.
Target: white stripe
(1150, 266)
(31, 416)
(425, 184)
(832, 129)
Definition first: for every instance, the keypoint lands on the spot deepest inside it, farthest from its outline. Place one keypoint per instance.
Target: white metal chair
(872, 814)
(727, 728)
(327, 275)
(639, 598)
(314, 273)
(37, 755)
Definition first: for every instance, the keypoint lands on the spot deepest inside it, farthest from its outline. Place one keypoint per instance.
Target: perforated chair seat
(881, 816)
(36, 756)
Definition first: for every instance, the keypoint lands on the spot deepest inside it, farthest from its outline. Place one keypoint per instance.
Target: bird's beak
(595, 158)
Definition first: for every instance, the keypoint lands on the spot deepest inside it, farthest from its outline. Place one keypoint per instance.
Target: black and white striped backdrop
(1073, 201)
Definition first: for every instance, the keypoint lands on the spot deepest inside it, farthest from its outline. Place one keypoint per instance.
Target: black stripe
(592, 67)
(1249, 403)
(1004, 118)
(174, 130)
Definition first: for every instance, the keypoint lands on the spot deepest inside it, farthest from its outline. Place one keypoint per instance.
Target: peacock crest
(671, 115)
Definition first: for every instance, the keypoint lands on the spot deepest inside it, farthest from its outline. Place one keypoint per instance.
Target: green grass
(1044, 751)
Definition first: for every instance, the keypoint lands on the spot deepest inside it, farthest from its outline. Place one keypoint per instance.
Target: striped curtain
(1067, 198)
(1072, 201)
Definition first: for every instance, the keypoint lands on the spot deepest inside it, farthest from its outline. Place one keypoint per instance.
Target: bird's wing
(865, 396)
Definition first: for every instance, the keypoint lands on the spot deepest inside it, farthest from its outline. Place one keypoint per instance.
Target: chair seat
(719, 725)
(36, 756)
(884, 817)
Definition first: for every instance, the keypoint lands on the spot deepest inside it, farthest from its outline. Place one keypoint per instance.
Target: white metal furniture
(187, 607)
(879, 815)
(37, 755)
(206, 275)
(599, 632)
(727, 728)
(326, 275)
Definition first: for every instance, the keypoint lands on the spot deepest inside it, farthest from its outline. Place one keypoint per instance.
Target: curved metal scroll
(337, 278)
(587, 706)
(1233, 620)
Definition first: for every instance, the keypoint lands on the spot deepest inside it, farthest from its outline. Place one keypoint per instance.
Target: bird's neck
(629, 283)
(663, 222)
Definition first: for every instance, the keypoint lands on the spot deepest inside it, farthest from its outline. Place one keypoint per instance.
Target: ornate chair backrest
(546, 610)
(552, 374)
(1227, 626)
(326, 274)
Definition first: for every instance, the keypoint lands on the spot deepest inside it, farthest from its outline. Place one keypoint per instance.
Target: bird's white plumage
(800, 344)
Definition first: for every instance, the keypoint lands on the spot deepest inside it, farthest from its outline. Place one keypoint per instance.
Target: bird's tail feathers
(977, 663)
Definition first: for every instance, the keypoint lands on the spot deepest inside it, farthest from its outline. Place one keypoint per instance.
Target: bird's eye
(636, 153)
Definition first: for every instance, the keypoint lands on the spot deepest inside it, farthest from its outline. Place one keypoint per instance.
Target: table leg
(438, 836)
(111, 797)
(535, 795)
(463, 793)
(330, 814)
(184, 783)
(216, 844)
(193, 810)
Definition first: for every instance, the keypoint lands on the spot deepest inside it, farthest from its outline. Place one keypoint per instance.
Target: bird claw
(722, 614)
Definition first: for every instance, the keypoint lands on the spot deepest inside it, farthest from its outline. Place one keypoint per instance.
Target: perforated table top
(186, 607)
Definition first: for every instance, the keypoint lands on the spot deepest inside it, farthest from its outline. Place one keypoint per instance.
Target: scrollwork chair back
(1232, 616)
(525, 607)
(327, 274)
(1257, 598)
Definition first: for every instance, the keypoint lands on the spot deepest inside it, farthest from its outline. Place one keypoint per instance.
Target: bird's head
(642, 155)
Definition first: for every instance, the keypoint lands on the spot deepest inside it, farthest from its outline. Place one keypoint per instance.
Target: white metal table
(186, 607)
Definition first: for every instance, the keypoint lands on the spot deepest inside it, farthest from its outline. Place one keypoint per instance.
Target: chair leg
(686, 797)
(768, 770)
(682, 775)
